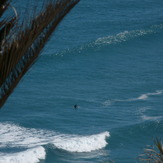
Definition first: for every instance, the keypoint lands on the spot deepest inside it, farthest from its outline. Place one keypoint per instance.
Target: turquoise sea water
(107, 57)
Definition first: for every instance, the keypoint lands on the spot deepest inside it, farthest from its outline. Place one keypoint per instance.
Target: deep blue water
(107, 57)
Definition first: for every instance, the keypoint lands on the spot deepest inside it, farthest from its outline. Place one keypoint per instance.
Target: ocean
(106, 57)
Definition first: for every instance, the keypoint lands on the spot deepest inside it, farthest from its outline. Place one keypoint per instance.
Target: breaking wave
(29, 156)
(139, 98)
(14, 136)
(83, 143)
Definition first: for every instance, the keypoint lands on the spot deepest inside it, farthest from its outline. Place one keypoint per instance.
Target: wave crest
(83, 143)
(127, 35)
(111, 40)
(14, 136)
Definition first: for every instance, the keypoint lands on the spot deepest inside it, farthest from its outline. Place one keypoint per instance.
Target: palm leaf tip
(3, 6)
(153, 153)
(20, 53)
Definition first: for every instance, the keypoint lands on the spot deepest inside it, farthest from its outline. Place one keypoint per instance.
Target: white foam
(127, 35)
(122, 37)
(107, 103)
(143, 114)
(82, 143)
(14, 136)
(141, 97)
(152, 118)
(145, 96)
(29, 156)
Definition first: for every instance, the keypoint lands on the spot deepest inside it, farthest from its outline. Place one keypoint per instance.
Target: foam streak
(127, 35)
(140, 98)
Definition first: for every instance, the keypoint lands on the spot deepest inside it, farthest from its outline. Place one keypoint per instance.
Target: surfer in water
(75, 106)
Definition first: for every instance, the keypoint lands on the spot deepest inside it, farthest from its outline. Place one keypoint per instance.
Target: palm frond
(18, 55)
(3, 6)
(153, 154)
(5, 28)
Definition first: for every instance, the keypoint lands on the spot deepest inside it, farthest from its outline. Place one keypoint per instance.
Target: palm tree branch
(3, 6)
(23, 51)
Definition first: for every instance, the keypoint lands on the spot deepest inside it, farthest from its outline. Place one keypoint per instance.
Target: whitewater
(15, 137)
(106, 57)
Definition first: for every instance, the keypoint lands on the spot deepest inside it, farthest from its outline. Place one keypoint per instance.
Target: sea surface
(106, 56)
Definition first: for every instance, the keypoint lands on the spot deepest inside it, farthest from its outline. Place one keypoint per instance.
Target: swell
(118, 38)
(128, 35)
(141, 132)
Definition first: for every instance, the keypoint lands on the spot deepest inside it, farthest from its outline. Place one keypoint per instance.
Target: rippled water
(106, 57)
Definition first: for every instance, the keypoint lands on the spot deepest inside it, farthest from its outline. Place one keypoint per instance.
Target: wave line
(140, 98)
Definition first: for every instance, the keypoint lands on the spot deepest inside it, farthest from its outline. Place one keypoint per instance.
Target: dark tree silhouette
(21, 45)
